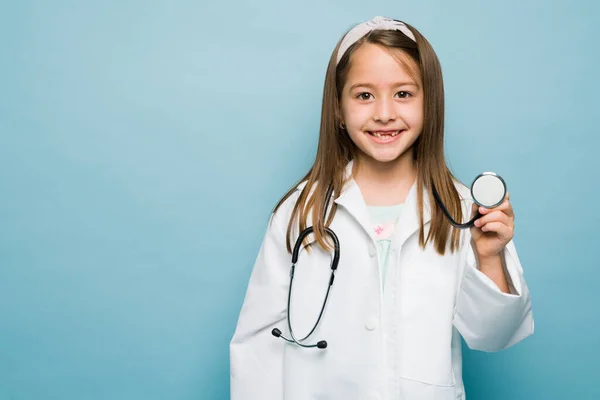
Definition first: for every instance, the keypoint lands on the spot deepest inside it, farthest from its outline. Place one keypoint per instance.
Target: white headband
(361, 30)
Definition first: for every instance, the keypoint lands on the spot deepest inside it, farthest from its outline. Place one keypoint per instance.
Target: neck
(385, 183)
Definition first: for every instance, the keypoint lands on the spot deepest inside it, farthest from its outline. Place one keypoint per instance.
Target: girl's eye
(365, 95)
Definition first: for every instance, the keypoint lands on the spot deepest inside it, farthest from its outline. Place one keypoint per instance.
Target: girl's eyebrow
(369, 85)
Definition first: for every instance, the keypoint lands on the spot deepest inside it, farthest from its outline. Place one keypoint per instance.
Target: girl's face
(381, 104)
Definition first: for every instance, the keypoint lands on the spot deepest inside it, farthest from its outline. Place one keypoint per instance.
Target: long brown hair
(335, 148)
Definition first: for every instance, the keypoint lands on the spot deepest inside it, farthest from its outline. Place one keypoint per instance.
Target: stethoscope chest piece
(488, 190)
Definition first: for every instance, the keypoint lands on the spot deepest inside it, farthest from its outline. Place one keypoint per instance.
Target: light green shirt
(384, 219)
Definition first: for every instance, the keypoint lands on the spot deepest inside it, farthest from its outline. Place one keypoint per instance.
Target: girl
(408, 285)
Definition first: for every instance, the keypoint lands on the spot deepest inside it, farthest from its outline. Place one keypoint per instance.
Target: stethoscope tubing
(336, 257)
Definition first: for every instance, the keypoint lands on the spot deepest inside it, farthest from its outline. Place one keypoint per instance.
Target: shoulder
(466, 199)
(280, 218)
(301, 186)
(463, 191)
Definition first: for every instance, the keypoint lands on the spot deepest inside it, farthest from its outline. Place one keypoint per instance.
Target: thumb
(476, 232)
(474, 208)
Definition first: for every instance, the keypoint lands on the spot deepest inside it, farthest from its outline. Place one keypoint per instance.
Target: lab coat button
(371, 323)
(372, 250)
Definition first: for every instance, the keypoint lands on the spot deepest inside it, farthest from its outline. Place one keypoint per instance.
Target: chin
(388, 156)
(384, 158)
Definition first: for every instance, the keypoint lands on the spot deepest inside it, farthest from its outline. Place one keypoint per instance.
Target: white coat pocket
(426, 299)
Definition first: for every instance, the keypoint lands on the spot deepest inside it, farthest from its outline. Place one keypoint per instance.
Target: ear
(338, 116)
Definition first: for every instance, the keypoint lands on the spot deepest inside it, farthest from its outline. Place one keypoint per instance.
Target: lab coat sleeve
(256, 356)
(488, 319)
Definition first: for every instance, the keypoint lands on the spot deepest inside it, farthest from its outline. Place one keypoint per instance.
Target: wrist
(489, 261)
(493, 267)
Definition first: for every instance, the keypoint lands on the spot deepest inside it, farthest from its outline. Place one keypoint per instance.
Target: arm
(256, 356)
(494, 268)
(488, 318)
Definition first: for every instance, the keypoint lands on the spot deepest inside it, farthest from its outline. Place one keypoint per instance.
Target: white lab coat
(401, 343)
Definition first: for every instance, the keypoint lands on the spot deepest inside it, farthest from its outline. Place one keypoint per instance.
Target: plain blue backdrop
(143, 145)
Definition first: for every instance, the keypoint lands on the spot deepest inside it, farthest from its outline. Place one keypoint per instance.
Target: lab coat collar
(352, 200)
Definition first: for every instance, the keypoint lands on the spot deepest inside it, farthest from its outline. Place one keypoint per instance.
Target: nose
(385, 111)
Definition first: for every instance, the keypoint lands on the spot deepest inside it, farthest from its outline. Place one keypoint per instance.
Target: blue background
(144, 144)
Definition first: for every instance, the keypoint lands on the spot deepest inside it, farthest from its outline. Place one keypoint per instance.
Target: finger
(505, 207)
(474, 209)
(504, 232)
(495, 216)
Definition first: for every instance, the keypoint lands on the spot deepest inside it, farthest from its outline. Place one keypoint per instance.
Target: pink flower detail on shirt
(383, 231)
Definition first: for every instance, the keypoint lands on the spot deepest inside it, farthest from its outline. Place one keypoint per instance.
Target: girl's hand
(494, 229)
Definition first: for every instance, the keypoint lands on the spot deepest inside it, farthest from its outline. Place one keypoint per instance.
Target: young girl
(408, 285)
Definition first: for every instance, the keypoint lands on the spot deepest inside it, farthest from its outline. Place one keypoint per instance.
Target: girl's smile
(384, 137)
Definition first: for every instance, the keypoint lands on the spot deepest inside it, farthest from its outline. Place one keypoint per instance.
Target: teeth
(379, 135)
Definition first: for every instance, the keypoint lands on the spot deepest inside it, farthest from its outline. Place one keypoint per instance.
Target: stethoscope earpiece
(334, 264)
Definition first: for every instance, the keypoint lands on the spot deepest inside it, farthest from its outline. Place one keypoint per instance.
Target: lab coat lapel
(352, 200)
(408, 222)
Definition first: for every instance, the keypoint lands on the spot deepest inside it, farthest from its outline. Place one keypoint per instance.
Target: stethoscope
(488, 190)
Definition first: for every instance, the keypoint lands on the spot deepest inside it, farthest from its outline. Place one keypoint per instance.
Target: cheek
(355, 115)
(415, 117)
(356, 135)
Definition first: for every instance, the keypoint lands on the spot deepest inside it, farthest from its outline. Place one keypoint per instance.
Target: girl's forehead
(379, 65)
